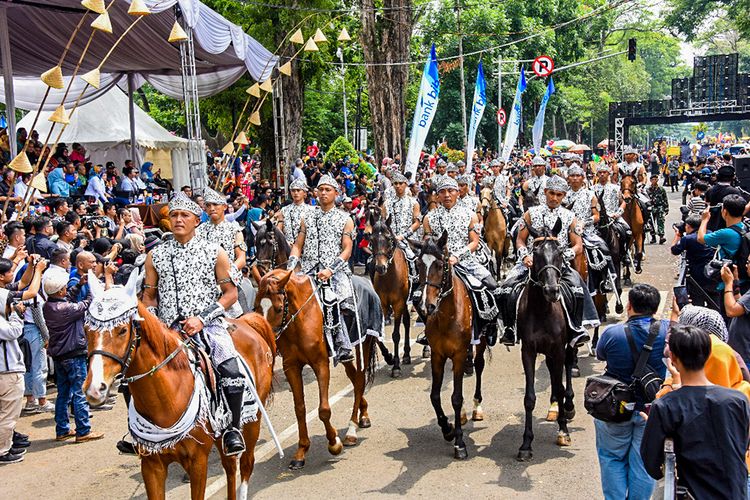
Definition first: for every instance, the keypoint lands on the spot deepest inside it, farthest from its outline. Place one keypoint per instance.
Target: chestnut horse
(141, 345)
(495, 229)
(634, 217)
(289, 304)
(449, 332)
(391, 282)
(543, 329)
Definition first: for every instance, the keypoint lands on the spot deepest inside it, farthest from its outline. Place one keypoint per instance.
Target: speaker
(742, 171)
(587, 156)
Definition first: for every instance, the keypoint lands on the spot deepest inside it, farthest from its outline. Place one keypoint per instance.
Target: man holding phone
(697, 255)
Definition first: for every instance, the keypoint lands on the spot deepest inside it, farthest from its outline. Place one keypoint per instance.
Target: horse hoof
(563, 439)
(619, 308)
(426, 352)
(388, 358)
(395, 372)
(477, 416)
(524, 455)
(460, 453)
(627, 282)
(451, 434)
(336, 448)
(575, 372)
(464, 418)
(364, 423)
(296, 464)
(552, 416)
(570, 414)
(638, 270)
(348, 441)
(406, 359)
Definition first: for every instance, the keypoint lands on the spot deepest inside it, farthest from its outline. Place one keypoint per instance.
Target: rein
(442, 291)
(284, 322)
(545, 267)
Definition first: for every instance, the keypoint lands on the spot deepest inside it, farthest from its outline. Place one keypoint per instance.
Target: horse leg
(437, 362)
(457, 401)
(230, 469)
(639, 254)
(528, 359)
(323, 373)
(154, 472)
(556, 364)
(569, 406)
(198, 470)
(364, 418)
(247, 459)
(406, 320)
(478, 415)
(294, 377)
(357, 378)
(396, 336)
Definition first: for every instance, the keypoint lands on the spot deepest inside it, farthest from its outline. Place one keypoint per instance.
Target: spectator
(96, 190)
(12, 369)
(617, 444)
(40, 243)
(701, 290)
(717, 193)
(698, 412)
(85, 261)
(697, 204)
(68, 348)
(16, 236)
(66, 234)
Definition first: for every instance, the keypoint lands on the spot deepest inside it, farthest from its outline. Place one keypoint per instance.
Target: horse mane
(161, 338)
(281, 239)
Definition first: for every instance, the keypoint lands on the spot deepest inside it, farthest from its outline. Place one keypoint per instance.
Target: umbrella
(542, 152)
(563, 145)
(580, 148)
(604, 144)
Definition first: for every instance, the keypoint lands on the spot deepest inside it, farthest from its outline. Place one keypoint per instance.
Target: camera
(718, 264)
(680, 228)
(93, 221)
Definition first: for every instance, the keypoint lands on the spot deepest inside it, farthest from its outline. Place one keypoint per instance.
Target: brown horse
(271, 248)
(449, 332)
(495, 229)
(391, 282)
(634, 217)
(542, 328)
(138, 345)
(289, 304)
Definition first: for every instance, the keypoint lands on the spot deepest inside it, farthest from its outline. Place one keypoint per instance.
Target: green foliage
(341, 149)
(453, 155)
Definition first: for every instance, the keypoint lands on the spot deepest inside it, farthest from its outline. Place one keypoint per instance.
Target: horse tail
(372, 364)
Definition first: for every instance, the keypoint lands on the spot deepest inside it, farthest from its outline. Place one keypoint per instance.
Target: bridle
(556, 269)
(270, 263)
(390, 252)
(285, 323)
(442, 287)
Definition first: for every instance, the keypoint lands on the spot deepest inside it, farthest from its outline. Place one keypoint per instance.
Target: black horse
(542, 328)
(612, 238)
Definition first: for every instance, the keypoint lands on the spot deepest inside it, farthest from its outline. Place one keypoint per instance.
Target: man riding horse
(403, 212)
(534, 186)
(583, 203)
(289, 218)
(323, 247)
(577, 302)
(610, 197)
(189, 281)
(631, 167)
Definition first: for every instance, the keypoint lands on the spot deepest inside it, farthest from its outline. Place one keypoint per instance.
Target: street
(402, 454)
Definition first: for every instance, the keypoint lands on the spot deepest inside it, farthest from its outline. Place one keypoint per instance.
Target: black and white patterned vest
(293, 216)
(542, 217)
(400, 210)
(187, 278)
(630, 168)
(470, 202)
(537, 185)
(579, 202)
(500, 186)
(610, 196)
(455, 221)
(324, 231)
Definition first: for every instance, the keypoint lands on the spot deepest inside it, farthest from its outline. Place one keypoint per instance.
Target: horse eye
(121, 333)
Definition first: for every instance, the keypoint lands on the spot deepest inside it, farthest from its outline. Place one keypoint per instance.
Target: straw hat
(53, 77)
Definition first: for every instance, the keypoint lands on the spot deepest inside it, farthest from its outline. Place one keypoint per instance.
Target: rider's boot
(509, 336)
(232, 382)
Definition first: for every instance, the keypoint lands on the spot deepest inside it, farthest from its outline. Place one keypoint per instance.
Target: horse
(634, 217)
(271, 248)
(495, 229)
(542, 328)
(449, 332)
(612, 239)
(289, 303)
(141, 348)
(391, 281)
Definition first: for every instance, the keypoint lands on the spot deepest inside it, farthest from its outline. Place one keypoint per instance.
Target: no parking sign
(543, 66)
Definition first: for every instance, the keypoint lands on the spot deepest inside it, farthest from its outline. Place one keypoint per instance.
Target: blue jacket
(697, 256)
(64, 320)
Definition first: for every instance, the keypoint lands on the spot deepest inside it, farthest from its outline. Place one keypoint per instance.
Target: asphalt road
(402, 454)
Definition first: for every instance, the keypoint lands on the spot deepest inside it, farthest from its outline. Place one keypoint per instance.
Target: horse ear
(269, 225)
(256, 225)
(97, 287)
(557, 227)
(132, 285)
(532, 232)
(443, 239)
(389, 220)
(285, 278)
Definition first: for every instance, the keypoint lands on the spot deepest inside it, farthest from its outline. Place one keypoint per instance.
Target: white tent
(103, 127)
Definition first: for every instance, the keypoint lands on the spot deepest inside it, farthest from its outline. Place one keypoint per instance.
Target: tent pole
(10, 99)
(131, 113)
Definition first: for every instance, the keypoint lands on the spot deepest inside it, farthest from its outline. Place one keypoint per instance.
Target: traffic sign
(543, 66)
(701, 135)
(501, 117)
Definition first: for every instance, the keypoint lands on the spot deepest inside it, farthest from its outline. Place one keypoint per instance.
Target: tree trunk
(293, 89)
(385, 38)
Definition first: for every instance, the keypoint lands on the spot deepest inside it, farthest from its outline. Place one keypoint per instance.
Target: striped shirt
(696, 205)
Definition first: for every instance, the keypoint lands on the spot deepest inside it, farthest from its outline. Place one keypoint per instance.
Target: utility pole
(499, 102)
(358, 125)
(461, 67)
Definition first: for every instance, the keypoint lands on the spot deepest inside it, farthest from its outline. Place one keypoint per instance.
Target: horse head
(434, 266)
(272, 299)
(111, 335)
(270, 246)
(629, 188)
(382, 244)
(546, 270)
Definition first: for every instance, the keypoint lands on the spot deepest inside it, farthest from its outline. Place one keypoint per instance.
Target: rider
(403, 211)
(544, 217)
(611, 199)
(635, 169)
(466, 199)
(323, 247)
(289, 218)
(582, 202)
(189, 281)
(535, 184)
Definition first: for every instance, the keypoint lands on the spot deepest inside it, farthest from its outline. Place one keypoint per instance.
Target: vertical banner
(514, 122)
(427, 101)
(536, 132)
(477, 110)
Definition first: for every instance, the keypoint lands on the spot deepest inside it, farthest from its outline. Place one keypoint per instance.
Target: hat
(55, 280)
(464, 179)
(441, 163)
(603, 167)
(575, 170)
(327, 180)
(705, 318)
(451, 168)
(347, 200)
(299, 183)
(557, 183)
(495, 163)
(447, 183)
(538, 161)
(630, 150)
(151, 242)
(182, 202)
(460, 163)
(214, 198)
(398, 177)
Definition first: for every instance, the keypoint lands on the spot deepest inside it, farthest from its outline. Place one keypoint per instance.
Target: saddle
(484, 306)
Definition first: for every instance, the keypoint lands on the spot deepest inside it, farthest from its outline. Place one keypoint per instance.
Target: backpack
(743, 252)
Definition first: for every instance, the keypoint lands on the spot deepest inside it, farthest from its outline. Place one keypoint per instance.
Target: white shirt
(96, 188)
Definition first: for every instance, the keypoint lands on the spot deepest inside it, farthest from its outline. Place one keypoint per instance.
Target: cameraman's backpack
(743, 252)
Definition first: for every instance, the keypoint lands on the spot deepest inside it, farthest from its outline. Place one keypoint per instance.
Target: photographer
(717, 193)
(697, 256)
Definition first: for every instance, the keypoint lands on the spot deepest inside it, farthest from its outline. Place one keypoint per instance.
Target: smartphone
(681, 296)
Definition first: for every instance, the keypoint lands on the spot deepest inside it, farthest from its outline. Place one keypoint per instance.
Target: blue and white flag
(477, 110)
(514, 121)
(536, 132)
(427, 102)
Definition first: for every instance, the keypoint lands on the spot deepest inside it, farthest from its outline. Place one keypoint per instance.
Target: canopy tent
(102, 127)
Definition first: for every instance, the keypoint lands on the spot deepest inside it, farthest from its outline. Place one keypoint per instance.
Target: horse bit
(442, 293)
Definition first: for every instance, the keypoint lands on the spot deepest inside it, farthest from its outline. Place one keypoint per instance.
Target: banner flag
(427, 102)
(514, 122)
(477, 110)
(538, 129)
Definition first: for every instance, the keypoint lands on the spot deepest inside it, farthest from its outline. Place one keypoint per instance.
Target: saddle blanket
(485, 310)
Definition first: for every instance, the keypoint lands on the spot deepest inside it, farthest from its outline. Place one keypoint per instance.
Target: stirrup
(237, 447)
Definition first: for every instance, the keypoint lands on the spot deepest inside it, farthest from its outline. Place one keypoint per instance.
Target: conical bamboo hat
(255, 118)
(177, 34)
(228, 149)
(254, 90)
(53, 77)
(242, 139)
(21, 163)
(319, 37)
(297, 37)
(92, 78)
(95, 6)
(59, 115)
(267, 86)
(138, 8)
(39, 182)
(310, 46)
(286, 68)
(102, 23)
